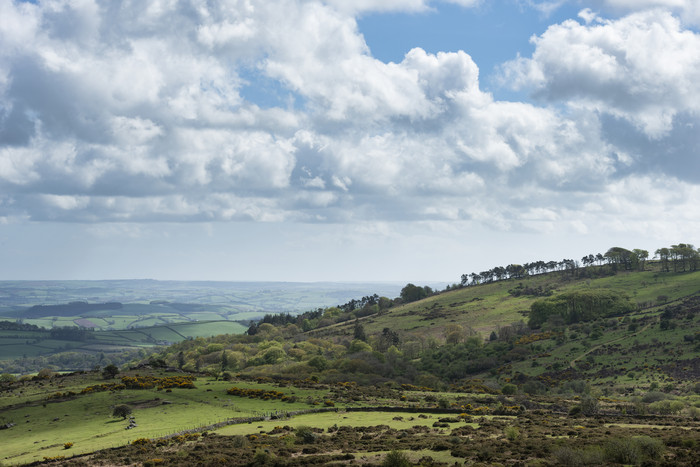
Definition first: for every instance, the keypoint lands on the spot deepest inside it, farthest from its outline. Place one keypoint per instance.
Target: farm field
(231, 297)
(37, 343)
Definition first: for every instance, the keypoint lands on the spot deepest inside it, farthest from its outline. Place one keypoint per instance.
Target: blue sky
(492, 33)
(310, 140)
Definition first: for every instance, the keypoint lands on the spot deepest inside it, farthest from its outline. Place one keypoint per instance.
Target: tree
(663, 255)
(180, 360)
(110, 371)
(412, 293)
(387, 339)
(121, 410)
(359, 332)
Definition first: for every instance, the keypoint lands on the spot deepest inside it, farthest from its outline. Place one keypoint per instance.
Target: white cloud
(642, 68)
(140, 115)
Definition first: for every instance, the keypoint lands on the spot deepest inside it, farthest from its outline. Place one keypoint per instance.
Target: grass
(394, 420)
(86, 420)
(486, 307)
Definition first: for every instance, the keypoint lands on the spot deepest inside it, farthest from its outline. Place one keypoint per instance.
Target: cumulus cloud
(134, 112)
(641, 68)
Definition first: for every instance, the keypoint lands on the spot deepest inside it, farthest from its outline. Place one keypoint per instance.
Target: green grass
(86, 420)
(394, 420)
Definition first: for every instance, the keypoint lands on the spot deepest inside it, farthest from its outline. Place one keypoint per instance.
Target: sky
(336, 140)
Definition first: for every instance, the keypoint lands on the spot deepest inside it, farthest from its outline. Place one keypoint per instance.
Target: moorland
(591, 362)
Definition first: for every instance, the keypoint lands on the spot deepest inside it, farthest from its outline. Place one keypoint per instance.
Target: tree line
(679, 258)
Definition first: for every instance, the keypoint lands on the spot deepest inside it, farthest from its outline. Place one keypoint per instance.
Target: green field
(86, 420)
(39, 343)
(43, 422)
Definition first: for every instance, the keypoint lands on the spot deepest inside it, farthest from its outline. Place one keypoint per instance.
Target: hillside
(570, 367)
(639, 329)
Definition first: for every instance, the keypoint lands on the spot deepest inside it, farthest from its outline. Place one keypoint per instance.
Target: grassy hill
(609, 376)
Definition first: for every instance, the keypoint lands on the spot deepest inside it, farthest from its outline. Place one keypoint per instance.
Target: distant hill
(600, 326)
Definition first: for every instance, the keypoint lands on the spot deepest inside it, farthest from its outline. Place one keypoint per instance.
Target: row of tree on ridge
(681, 257)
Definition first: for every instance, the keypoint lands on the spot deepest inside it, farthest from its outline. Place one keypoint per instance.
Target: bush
(589, 406)
(651, 448)
(654, 396)
(7, 378)
(622, 451)
(45, 373)
(396, 459)
(511, 433)
(305, 434)
(509, 389)
(262, 457)
(67, 445)
(577, 457)
(666, 407)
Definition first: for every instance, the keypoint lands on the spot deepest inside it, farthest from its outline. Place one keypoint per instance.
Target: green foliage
(121, 410)
(580, 306)
(305, 434)
(7, 378)
(622, 451)
(633, 450)
(411, 293)
(651, 448)
(509, 389)
(570, 457)
(511, 433)
(110, 371)
(589, 405)
(396, 459)
(319, 363)
(359, 346)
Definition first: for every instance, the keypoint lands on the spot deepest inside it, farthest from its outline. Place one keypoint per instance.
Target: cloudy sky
(314, 140)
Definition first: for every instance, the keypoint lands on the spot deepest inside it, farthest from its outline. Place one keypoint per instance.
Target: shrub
(45, 373)
(509, 389)
(511, 433)
(7, 378)
(67, 445)
(396, 459)
(262, 457)
(577, 457)
(651, 448)
(622, 451)
(666, 407)
(305, 434)
(589, 406)
(654, 396)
